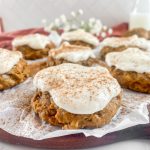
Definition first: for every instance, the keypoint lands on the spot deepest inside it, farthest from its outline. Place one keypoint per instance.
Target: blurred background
(20, 14)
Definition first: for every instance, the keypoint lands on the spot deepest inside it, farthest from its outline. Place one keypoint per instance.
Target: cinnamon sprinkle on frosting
(8, 59)
(35, 41)
(72, 53)
(133, 41)
(80, 35)
(78, 89)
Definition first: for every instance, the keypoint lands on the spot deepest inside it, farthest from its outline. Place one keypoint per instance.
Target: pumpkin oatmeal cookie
(68, 53)
(117, 44)
(13, 69)
(140, 32)
(73, 96)
(80, 37)
(33, 46)
(131, 68)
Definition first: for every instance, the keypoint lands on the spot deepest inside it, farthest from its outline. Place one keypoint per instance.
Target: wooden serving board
(79, 140)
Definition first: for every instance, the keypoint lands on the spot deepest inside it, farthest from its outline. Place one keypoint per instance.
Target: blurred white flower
(110, 31)
(73, 26)
(98, 22)
(92, 25)
(97, 33)
(80, 11)
(63, 18)
(44, 22)
(94, 31)
(66, 27)
(57, 22)
(95, 25)
(92, 20)
(103, 34)
(49, 28)
(82, 23)
(105, 28)
(98, 26)
(73, 14)
(55, 38)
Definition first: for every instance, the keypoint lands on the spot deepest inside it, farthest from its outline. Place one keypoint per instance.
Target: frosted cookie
(33, 46)
(74, 96)
(13, 68)
(140, 32)
(116, 44)
(68, 53)
(80, 37)
(131, 68)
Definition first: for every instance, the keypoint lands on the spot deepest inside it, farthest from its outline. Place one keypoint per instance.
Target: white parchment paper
(17, 117)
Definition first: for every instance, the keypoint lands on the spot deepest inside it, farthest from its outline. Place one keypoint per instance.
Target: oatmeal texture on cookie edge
(72, 53)
(8, 59)
(80, 35)
(35, 41)
(126, 41)
(131, 59)
(78, 89)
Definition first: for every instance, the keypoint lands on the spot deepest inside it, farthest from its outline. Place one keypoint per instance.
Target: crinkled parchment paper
(17, 117)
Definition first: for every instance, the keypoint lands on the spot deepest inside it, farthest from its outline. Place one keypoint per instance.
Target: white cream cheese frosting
(126, 41)
(80, 35)
(72, 53)
(8, 59)
(35, 41)
(78, 89)
(131, 59)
